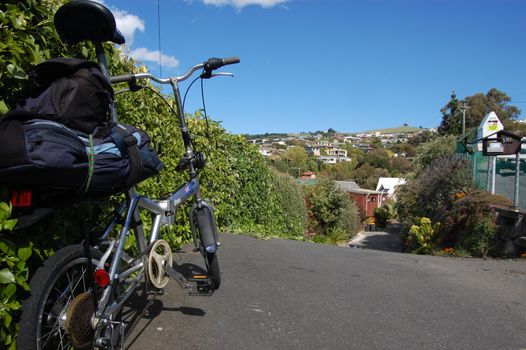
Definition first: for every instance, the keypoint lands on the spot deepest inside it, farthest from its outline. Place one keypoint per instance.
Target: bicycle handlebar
(208, 66)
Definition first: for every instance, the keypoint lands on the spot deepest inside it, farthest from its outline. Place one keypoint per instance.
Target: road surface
(279, 294)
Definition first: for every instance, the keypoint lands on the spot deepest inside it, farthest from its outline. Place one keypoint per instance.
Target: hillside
(400, 129)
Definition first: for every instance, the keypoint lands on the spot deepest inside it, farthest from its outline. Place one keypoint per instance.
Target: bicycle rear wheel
(61, 284)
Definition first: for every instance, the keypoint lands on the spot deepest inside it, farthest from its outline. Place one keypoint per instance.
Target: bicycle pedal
(200, 286)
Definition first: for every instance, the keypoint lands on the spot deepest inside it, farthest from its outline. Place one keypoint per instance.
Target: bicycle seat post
(77, 21)
(101, 58)
(103, 64)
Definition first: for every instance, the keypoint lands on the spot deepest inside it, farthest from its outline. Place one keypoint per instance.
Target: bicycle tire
(48, 299)
(212, 265)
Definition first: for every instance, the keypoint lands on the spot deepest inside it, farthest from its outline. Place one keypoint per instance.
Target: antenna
(159, 38)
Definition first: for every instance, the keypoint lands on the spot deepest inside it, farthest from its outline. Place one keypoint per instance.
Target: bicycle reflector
(21, 198)
(101, 278)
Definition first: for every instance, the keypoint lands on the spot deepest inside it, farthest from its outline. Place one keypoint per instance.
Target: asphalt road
(280, 294)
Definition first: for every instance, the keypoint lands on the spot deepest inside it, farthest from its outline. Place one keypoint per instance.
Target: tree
(340, 171)
(367, 175)
(296, 156)
(451, 120)
(429, 151)
(421, 137)
(478, 105)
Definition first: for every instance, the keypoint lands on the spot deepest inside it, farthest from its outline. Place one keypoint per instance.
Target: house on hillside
(306, 175)
(338, 152)
(367, 200)
(313, 151)
(346, 186)
(266, 152)
(333, 159)
(388, 185)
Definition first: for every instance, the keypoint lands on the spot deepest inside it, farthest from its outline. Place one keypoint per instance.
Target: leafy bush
(381, 216)
(427, 153)
(434, 190)
(248, 197)
(470, 224)
(330, 209)
(422, 236)
(13, 276)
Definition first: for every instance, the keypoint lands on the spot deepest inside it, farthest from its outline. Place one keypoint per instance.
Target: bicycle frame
(163, 212)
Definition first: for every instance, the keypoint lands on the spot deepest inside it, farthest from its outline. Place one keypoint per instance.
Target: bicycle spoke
(54, 330)
(81, 277)
(69, 285)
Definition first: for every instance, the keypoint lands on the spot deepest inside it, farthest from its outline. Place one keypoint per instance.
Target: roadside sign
(488, 128)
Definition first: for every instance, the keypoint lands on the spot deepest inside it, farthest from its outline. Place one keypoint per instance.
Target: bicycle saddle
(81, 20)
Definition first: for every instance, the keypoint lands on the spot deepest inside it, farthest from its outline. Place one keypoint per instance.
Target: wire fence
(505, 169)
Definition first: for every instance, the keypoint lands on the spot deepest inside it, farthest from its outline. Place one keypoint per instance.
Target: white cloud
(239, 4)
(144, 54)
(128, 24)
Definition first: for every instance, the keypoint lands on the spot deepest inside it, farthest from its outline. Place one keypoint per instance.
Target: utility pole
(463, 107)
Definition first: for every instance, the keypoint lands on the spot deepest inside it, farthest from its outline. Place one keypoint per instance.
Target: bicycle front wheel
(212, 266)
(62, 283)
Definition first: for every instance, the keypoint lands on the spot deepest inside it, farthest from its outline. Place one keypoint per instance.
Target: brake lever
(222, 74)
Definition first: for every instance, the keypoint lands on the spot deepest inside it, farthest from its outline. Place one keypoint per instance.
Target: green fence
(504, 174)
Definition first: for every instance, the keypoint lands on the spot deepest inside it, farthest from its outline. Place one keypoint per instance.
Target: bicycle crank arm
(197, 285)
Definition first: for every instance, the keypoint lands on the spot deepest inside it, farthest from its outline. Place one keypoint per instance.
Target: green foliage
(434, 189)
(427, 152)
(335, 235)
(478, 105)
(422, 236)
(367, 176)
(296, 157)
(381, 216)
(330, 210)
(470, 224)
(247, 195)
(28, 38)
(13, 278)
(340, 171)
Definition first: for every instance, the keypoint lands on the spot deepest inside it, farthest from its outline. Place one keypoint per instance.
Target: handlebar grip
(122, 78)
(231, 60)
(215, 63)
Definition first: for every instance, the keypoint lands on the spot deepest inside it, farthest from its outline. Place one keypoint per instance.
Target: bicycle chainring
(160, 255)
(78, 321)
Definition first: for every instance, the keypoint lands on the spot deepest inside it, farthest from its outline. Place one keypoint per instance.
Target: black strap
(127, 144)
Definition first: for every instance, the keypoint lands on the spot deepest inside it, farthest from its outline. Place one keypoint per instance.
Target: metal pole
(517, 176)
(488, 174)
(474, 175)
(493, 174)
(464, 108)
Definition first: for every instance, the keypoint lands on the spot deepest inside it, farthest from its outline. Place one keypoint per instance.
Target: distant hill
(400, 129)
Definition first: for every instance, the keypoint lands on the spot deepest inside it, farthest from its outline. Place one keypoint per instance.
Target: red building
(367, 200)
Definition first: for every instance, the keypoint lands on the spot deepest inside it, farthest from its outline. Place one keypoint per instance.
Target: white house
(266, 152)
(389, 185)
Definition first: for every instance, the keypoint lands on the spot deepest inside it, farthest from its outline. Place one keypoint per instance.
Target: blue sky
(310, 65)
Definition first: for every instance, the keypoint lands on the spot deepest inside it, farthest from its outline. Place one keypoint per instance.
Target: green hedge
(247, 195)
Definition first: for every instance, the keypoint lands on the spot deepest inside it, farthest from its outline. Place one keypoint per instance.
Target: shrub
(246, 194)
(426, 153)
(434, 189)
(335, 235)
(470, 224)
(381, 216)
(422, 236)
(330, 209)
